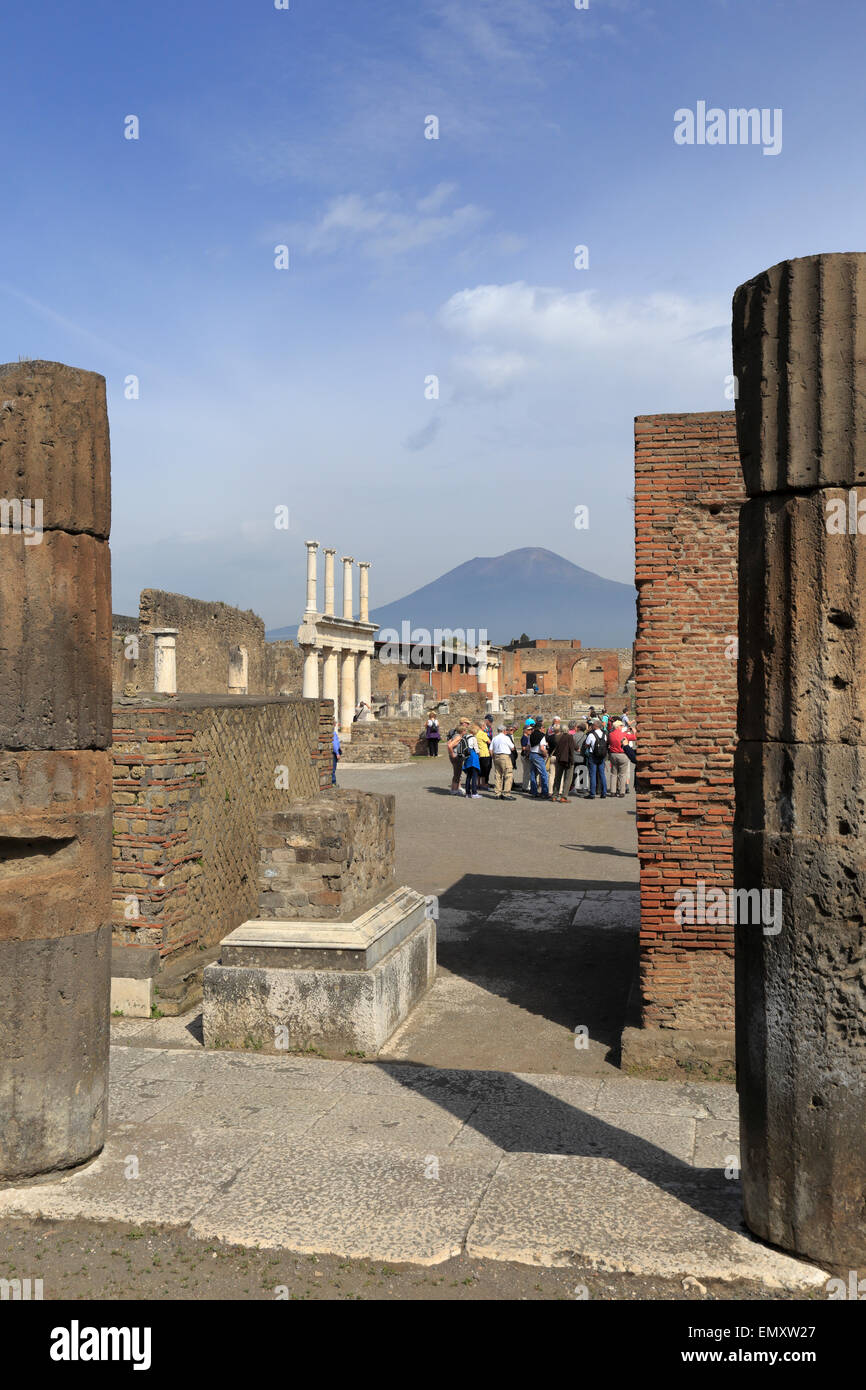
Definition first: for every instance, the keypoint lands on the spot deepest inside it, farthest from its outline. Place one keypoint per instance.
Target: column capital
(311, 545)
(364, 564)
(348, 559)
(327, 549)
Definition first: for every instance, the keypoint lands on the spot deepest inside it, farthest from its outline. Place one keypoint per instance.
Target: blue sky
(409, 258)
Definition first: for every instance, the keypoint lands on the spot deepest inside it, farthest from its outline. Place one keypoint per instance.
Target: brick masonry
(688, 492)
(331, 856)
(191, 778)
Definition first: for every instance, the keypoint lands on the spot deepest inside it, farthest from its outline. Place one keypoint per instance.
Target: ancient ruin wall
(688, 492)
(207, 633)
(190, 782)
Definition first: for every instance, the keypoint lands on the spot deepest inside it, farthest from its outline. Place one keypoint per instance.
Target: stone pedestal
(336, 986)
(165, 660)
(799, 831)
(337, 956)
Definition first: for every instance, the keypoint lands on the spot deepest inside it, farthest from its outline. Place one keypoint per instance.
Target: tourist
(595, 751)
(488, 724)
(455, 739)
(580, 780)
(471, 763)
(525, 753)
(538, 770)
(511, 730)
(504, 757)
(550, 739)
(618, 760)
(629, 747)
(483, 740)
(563, 753)
(336, 755)
(432, 735)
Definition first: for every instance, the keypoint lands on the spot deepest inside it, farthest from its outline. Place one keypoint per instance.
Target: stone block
(54, 1037)
(808, 791)
(54, 444)
(55, 844)
(55, 617)
(800, 361)
(131, 997)
(802, 663)
(801, 1047)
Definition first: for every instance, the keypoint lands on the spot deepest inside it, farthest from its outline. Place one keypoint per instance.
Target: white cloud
(383, 225)
(517, 329)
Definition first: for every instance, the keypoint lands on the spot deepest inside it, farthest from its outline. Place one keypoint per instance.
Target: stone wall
(207, 633)
(284, 668)
(564, 667)
(688, 491)
(385, 741)
(191, 778)
(330, 857)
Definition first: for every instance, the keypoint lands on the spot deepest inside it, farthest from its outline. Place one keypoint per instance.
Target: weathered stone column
(348, 603)
(330, 680)
(365, 678)
(55, 770)
(330, 552)
(311, 672)
(165, 660)
(364, 590)
(799, 337)
(312, 581)
(347, 690)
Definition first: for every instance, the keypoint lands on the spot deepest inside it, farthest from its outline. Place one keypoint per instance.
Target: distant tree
(524, 638)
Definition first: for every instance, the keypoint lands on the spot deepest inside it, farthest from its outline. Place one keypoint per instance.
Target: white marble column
(329, 554)
(347, 689)
(312, 581)
(494, 685)
(365, 679)
(364, 590)
(348, 604)
(330, 679)
(311, 672)
(165, 660)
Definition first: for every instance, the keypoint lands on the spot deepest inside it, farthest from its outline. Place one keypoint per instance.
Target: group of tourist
(591, 757)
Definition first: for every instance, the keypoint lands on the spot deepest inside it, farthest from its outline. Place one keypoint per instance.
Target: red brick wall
(688, 491)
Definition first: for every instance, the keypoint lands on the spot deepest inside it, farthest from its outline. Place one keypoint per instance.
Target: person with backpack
(595, 750)
(580, 780)
(538, 771)
(432, 735)
(525, 753)
(618, 760)
(471, 762)
(455, 753)
(483, 740)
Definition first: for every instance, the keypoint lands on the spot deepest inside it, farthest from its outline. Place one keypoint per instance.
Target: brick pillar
(688, 491)
(800, 827)
(55, 771)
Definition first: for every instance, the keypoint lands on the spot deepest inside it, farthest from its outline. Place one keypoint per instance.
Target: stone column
(238, 671)
(365, 678)
(165, 659)
(494, 684)
(800, 824)
(348, 604)
(347, 689)
(330, 552)
(55, 770)
(312, 582)
(311, 671)
(364, 590)
(330, 686)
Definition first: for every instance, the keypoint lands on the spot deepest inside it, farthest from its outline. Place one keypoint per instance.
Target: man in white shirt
(501, 748)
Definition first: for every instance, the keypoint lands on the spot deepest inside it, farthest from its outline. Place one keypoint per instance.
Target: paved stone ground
(486, 1141)
(417, 1165)
(538, 926)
